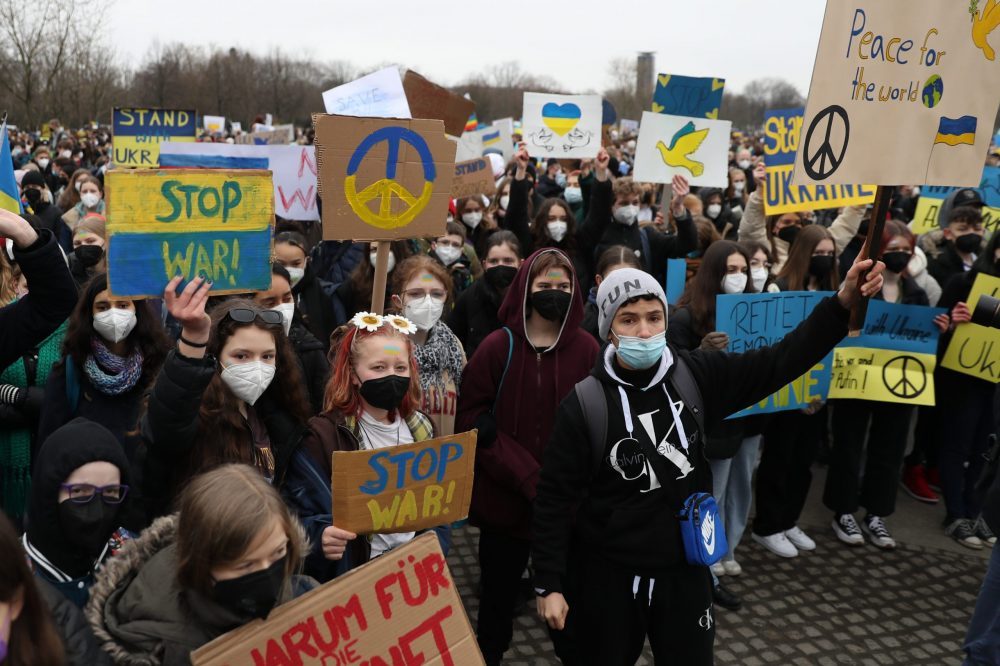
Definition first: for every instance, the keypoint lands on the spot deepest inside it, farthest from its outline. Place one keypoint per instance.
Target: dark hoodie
(54, 556)
(625, 518)
(536, 382)
(314, 303)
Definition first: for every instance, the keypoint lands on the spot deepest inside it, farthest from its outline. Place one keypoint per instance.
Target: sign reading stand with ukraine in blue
(212, 223)
(138, 134)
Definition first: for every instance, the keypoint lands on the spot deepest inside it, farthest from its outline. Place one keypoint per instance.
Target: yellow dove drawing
(682, 145)
(983, 24)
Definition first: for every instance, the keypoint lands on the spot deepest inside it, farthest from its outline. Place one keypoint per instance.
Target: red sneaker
(915, 484)
(933, 478)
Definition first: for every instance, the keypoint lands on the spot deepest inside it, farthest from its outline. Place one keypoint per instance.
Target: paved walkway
(838, 605)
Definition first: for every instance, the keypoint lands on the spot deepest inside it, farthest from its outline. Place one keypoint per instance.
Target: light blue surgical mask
(641, 353)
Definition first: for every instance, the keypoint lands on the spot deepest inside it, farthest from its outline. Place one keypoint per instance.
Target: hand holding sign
(760, 176)
(522, 159)
(334, 542)
(601, 167)
(960, 314)
(849, 294)
(16, 228)
(679, 186)
(188, 308)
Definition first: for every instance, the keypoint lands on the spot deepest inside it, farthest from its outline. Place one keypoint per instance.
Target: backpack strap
(506, 367)
(594, 405)
(687, 388)
(72, 384)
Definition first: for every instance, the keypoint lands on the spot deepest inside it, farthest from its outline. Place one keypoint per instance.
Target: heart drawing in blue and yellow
(684, 143)
(561, 118)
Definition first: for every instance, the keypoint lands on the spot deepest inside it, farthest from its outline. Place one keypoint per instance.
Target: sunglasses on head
(247, 316)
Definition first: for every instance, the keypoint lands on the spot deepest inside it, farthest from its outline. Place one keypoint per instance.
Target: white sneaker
(879, 533)
(800, 539)
(778, 544)
(847, 530)
(732, 567)
(718, 569)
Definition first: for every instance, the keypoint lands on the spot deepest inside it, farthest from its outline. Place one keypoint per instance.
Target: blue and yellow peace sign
(385, 188)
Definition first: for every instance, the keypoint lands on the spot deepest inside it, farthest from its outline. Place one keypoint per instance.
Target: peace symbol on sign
(828, 156)
(909, 377)
(386, 188)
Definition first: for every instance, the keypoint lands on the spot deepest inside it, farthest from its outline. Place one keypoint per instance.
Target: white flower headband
(371, 322)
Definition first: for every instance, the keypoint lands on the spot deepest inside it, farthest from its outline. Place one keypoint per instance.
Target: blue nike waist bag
(702, 532)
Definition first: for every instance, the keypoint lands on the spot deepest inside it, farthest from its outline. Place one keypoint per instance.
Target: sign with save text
(401, 609)
(753, 321)
(215, 223)
(782, 135)
(903, 91)
(404, 488)
(974, 349)
(138, 133)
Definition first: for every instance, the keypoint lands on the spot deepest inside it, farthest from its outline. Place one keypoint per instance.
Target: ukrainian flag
(954, 132)
(491, 138)
(9, 198)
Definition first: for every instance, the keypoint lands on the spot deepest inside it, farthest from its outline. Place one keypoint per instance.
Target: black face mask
(551, 304)
(33, 197)
(385, 392)
(788, 234)
(820, 266)
(896, 261)
(88, 526)
(253, 595)
(968, 243)
(89, 255)
(500, 277)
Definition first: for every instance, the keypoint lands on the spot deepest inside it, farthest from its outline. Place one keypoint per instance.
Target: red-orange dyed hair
(341, 394)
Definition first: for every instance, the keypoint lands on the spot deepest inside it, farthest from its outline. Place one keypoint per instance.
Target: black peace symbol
(826, 154)
(912, 378)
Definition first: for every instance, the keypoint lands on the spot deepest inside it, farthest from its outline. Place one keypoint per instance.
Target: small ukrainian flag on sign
(954, 132)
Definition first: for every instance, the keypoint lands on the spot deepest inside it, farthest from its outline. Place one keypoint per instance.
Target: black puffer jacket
(312, 358)
(78, 639)
(314, 302)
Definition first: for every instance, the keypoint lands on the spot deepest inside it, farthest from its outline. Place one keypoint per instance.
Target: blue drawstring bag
(702, 531)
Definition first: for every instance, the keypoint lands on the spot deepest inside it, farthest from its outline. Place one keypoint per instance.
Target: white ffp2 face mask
(295, 274)
(447, 254)
(472, 220)
(734, 283)
(287, 311)
(424, 312)
(115, 324)
(626, 215)
(248, 381)
(759, 277)
(90, 200)
(557, 230)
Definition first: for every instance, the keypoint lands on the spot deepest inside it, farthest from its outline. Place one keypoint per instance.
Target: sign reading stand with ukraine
(191, 222)
(138, 134)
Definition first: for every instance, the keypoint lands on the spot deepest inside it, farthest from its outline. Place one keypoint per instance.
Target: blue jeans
(982, 642)
(731, 485)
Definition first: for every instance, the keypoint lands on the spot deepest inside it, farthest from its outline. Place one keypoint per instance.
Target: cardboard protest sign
(676, 279)
(467, 147)
(138, 133)
(401, 608)
(782, 136)
(429, 100)
(282, 135)
(892, 360)
(562, 125)
(293, 170)
(213, 124)
(698, 97)
(903, 91)
(383, 179)
(695, 148)
(974, 349)
(189, 222)
(926, 216)
(473, 177)
(404, 488)
(753, 321)
(377, 95)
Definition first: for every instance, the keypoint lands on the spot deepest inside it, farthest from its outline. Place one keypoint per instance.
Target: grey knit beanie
(620, 286)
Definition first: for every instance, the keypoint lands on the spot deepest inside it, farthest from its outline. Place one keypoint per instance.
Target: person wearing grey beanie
(627, 487)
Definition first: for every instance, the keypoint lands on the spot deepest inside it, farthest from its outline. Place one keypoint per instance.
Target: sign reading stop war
(138, 133)
(974, 349)
(404, 488)
(214, 223)
(903, 91)
(782, 137)
(383, 179)
(401, 609)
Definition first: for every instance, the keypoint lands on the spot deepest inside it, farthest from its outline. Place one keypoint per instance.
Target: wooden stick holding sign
(872, 249)
(381, 276)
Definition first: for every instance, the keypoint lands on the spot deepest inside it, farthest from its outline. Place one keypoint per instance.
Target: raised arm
(753, 225)
(599, 215)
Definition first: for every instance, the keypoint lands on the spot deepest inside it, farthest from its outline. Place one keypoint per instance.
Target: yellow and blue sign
(975, 350)
(926, 216)
(190, 222)
(695, 97)
(138, 133)
(561, 118)
(782, 137)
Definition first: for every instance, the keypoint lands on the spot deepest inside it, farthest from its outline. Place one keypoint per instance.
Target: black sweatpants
(886, 425)
(784, 475)
(617, 611)
(967, 419)
(502, 559)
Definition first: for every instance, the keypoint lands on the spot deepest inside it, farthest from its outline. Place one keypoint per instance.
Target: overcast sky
(572, 42)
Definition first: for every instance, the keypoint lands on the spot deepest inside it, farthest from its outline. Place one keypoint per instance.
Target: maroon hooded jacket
(536, 382)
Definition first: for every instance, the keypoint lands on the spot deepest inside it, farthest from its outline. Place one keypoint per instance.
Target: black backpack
(594, 404)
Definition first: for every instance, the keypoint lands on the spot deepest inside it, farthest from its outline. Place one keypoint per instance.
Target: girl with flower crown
(370, 403)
